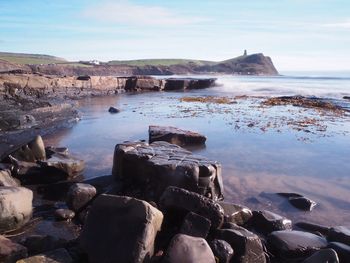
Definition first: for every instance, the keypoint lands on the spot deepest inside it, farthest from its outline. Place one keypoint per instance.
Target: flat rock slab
(56, 256)
(120, 229)
(11, 251)
(187, 249)
(151, 168)
(246, 245)
(295, 244)
(15, 207)
(188, 83)
(175, 135)
(267, 222)
(179, 199)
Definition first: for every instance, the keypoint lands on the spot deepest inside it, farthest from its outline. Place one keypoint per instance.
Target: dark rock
(174, 135)
(64, 214)
(15, 207)
(290, 195)
(69, 165)
(235, 213)
(60, 255)
(41, 243)
(50, 150)
(86, 77)
(120, 229)
(113, 110)
(302, 203)
(246, 245)
(11, 251)
(187, 249)
(294, 244)
(188, 83)
(346, 97)
(222, 250)
(7, 180)
(343, 251)
(175, 198)
(339, 234)
(310, 227)
(267, 222)
(151, 168)
(79, 195)
(323, 256)
(195, 225)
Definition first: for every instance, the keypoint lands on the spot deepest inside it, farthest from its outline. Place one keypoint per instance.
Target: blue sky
(297, 34)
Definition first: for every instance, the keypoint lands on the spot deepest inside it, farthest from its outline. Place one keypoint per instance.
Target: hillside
(159, 62)
(21, 58)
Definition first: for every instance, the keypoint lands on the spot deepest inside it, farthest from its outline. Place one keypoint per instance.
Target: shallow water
(261, 148)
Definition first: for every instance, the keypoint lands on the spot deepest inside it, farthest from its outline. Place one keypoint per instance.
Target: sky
(297, 34)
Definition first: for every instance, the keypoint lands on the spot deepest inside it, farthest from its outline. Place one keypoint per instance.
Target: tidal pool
(263, 150)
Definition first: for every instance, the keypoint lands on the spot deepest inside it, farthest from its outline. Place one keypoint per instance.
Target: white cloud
(341, 25)
(126, 12)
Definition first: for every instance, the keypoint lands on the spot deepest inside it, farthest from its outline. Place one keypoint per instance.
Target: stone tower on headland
(245, 53)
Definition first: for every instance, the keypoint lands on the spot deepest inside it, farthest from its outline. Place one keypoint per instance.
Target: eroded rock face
(295, 244)
(120, 229)
(236, 214)
(267, 222)
(340, 234)
(187, 249)
(222, 250)
(175, 135)
(151, 168)
(11, 251)
(60, 255)
(79, 195)
(7, 180)
(323, 256)
(15, 207)
(175, 198)
(246, 245)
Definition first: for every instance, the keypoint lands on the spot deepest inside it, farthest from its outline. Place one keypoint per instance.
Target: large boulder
(236, 214)
(174, 135)
(120, 229)
(7, 180)
(343, 251)
(339, 234)
(266, 222)
(79, 195)
(187, 249)
(11, 251)
(294, 244)
(15, 207)
(179, 199)
(151, 168)
(246, 245)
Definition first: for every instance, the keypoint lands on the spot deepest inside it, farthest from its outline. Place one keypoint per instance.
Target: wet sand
(263, 150)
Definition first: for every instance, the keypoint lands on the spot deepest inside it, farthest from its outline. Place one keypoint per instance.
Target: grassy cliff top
(20, 58)
(159, 62)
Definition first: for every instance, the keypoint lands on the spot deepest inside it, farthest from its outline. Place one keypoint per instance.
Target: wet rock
(346, 97)
(64, 214)
(302, 203)
(339, 234)
(235, 213)
(195, 225)
(41, 243)
(79, 195)
(7, 180)
(69, 165)
(343, 251)
(310, 227)
(151, 168)
(174, 135)
(60, 255)
(246, 245)
(295, 244)
(323, 256)
(187, 249)
(15, 207)
(290, 195)
(120, 229)
(175, 198)
(11, 251)
(31, 152)
(113, 110)
(188, 83)
(21, 168)
(222, 250)
(267, 222)
(50, 150)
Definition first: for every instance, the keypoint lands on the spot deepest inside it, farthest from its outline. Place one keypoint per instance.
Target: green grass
(158, 62)
(19, 58)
